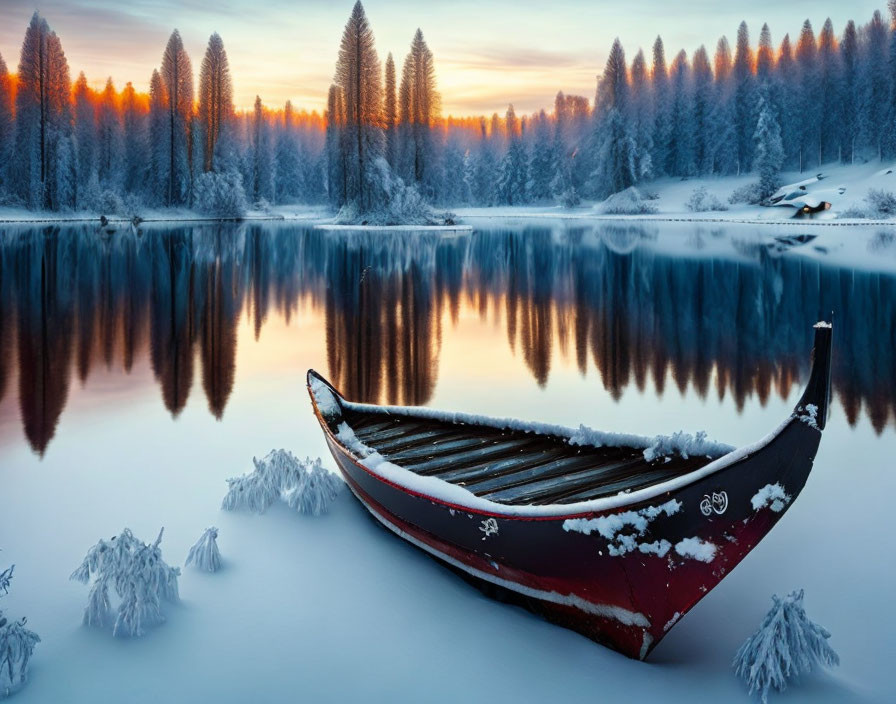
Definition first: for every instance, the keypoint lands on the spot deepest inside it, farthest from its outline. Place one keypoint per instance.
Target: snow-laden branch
(304, 485)
(204, 553)
(138, 574)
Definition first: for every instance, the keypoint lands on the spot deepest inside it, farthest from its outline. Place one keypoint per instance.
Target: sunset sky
(488, 53)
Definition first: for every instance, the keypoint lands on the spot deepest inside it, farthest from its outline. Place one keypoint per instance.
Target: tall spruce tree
(215, 99)
(358, 76)
(177, 76)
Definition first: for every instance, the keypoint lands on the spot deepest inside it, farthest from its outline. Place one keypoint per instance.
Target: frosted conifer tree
(769, 151)
(138, 575)
(786, 646)
(16, 645)
(204, 554)
(43, 116)
(176, 76)
(510, 188)
(109, 140)
(7, 127)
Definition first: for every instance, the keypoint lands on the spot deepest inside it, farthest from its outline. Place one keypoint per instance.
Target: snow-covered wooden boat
(615, 536)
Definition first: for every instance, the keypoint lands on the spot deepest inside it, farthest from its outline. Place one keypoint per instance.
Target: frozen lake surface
(139, 370)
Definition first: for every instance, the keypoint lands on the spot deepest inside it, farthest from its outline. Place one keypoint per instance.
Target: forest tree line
(382, 141)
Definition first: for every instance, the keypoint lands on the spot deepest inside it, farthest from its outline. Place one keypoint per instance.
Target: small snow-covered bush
(786, 646)
(394, 202)
(204, 553)
(627, 202)
(305, 486)
(881, 203)
(16, 645)
(702, 201)
(749, 193)
(220, 194)
(140, 578)
(569, 198)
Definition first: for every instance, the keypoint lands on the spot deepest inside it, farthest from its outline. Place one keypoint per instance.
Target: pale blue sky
(488, 53)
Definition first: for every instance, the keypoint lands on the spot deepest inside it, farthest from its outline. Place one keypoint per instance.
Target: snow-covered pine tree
(640, 119)
(215, 99)
(109, 140)
(359, 78)
(16, 645)
(681, 121)
(138, 574)
(659, 81)
(807, 98)
(7, 127)
(288, 175)
(136, 142)
(769, 151)
(702, 112)
(850, 95)
(159, 132)
(538, 187)
(176, 75)
(786, 646)
(85, 130)
(787, 80)
(875, 84)
(204, 554)
(261, 173)
(390, 112)
(510, 188)
(43, 116)
(617, 157)
(724, 156)
(744, 89)
(829, 102)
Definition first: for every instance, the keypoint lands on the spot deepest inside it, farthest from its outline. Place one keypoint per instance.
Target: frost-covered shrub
(569, 198)
(881, 203)
(220, 194)
(702, 201)
(786, 646)
(305, 486)
(394, 203)
(749, 193)
(138, 574)
(627, 202)
(204, 553)
(16, 645)
(109, 203)
(854, 212)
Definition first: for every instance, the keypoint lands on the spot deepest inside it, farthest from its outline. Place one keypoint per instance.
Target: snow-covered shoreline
(845, 187)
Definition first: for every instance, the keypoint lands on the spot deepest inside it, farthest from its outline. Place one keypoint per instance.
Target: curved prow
(818, 390)
(325, 398)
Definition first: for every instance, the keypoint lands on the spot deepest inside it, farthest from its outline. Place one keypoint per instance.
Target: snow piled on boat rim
(681, 443)
(451, 493)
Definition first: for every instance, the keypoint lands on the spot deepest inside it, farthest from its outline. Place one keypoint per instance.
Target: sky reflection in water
(181, 313)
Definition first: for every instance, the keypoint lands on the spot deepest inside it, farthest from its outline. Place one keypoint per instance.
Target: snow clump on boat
(771, 495)
(685, 445)
(810, 417)
(697, 549)
(610, 527)
(304, 485)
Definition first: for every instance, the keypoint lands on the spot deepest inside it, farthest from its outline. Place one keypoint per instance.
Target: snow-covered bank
(668, 200)
(845, 187)
(289, 213)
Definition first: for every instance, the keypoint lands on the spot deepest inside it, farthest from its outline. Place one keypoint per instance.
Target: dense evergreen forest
(383, 146)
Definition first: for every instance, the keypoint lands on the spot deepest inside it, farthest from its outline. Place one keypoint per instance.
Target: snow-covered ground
(671, 197)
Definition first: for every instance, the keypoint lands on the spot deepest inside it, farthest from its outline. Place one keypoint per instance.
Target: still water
(141, 368)
(187, 315)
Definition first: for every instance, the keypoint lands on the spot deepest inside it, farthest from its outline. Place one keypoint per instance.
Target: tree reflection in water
(72, 298)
